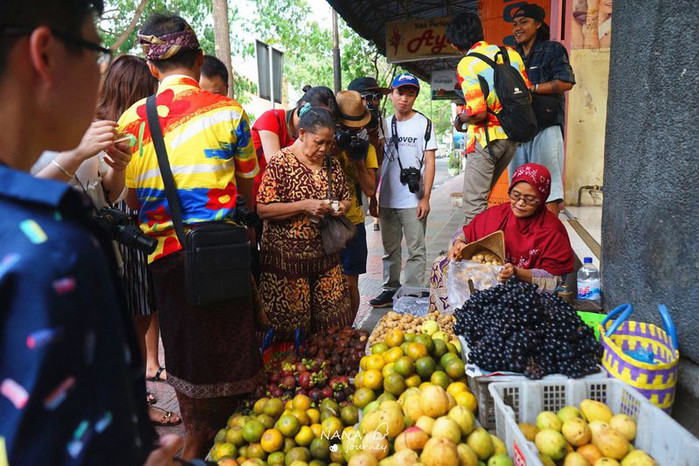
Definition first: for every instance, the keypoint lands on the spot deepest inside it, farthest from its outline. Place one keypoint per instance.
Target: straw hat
(494, 242)
(352, 113)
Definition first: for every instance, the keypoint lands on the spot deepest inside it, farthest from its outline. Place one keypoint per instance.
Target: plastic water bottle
(588, 281)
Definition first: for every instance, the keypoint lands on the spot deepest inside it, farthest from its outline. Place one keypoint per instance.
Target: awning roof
(369, 17)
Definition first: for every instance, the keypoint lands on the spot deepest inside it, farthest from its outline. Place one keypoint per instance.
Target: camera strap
(173, 200)
(394, 138)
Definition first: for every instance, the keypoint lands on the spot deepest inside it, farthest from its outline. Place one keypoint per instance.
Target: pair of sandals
(167, 418)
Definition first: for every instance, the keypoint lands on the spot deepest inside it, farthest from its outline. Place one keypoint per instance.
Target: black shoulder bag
(335, 232)
(216, 254)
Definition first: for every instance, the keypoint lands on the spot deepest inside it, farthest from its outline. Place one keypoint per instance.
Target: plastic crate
(478, 385)
(410, 300)
(657, 433)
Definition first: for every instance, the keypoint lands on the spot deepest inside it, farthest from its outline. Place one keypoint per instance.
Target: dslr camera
(120, 226)
(411, 177)
(356, 147)
(241, 214)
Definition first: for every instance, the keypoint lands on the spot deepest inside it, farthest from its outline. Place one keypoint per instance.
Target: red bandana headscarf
(539, 241)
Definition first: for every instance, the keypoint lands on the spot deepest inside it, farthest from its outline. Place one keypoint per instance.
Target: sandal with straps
(166, 420)
(156, 377)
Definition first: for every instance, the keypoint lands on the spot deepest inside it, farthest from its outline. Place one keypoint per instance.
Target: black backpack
(517, 117)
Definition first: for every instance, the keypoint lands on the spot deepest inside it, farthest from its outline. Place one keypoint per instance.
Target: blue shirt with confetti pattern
(71, 380)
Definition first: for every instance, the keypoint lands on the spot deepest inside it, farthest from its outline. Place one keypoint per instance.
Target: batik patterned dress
(301, 286)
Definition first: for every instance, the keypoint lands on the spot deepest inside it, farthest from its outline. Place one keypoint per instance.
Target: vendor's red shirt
(274, 121)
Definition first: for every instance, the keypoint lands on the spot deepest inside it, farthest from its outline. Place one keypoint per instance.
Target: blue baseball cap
(405, 79)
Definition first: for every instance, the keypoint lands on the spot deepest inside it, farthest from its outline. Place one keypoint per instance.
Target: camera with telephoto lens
(241, 214)
(356, 147)
(411, 177)
(121, 227)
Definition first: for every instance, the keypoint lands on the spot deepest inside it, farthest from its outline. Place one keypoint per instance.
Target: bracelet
(536, 88)
(63, 170)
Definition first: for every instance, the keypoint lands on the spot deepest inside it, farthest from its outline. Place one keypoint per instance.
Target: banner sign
(418, 39)
(443, 83)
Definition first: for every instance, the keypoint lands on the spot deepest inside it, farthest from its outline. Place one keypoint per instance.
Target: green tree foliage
(288, 25)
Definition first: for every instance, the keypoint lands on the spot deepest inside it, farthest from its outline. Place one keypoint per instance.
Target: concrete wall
(586, 120)
(650, 222)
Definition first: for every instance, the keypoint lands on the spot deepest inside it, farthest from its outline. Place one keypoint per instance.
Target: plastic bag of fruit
(466, 276)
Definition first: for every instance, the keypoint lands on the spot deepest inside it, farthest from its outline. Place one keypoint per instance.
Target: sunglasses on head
(372, 96)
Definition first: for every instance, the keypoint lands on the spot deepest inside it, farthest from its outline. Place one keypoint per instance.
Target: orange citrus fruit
(288, 425)
(253, 430)
(455, 368)
(394, 337)
(466, 399)
(359, 379)
(313, 415)
(372, 379)
(317, 429)
(416, 351)
(301, 415)
(413, 381)
(332, 426)
(394, 384)
(404, 366)
(388, 369)
(457, 387)
(259, 406)
(272, 440)
(375, 361)
(392, 355)
(304, 437)
(301, 402)
(379, 348)
(440, 378)
(363, 396)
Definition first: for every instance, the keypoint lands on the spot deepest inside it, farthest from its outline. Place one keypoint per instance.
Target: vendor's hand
(455, 251)
(507, 271)
(423, 208)
(98, 137)
(164, 455)
(318, 208)
(119, 156)
(373, 207)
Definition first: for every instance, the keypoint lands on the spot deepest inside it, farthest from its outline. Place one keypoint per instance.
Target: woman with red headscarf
(537, 247)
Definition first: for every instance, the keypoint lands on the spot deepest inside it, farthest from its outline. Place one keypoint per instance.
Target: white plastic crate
(410, 300)
(478, 385)
(658, 434)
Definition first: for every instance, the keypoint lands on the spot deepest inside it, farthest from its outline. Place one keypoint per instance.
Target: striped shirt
(467, 74)
(208, 142)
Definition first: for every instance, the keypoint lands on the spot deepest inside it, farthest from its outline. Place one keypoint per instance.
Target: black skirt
(137, 277)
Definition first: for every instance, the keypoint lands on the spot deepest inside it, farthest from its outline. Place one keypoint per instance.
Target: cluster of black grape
(512, 327)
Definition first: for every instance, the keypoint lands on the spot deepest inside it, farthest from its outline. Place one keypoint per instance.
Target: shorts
(545, 149)
(355, 254)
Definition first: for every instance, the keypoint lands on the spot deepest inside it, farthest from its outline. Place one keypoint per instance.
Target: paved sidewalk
(442, 222)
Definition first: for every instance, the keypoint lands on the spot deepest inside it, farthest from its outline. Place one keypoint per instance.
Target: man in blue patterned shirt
(71, 380)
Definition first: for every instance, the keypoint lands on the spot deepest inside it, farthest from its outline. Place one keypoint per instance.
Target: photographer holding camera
(407, 174)
(358, 159)
(372, 96)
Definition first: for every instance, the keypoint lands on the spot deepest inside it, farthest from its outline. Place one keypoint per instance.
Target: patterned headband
(169, 45)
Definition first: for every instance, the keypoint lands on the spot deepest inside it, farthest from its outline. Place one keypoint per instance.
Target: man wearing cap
(407, 174)
(372, 95)
(485, 161)
(358, 160)
(211, 354)
(550, 73)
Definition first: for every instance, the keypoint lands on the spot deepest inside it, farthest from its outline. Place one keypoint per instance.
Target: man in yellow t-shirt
(358, 159)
